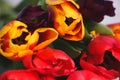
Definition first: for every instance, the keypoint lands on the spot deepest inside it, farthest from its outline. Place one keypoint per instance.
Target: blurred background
(10, 8)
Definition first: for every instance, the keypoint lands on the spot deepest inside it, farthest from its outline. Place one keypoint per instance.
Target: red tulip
(85, 75)
(97, 49)
(50, 61)
(98, 69)
(103, 57)
(19, 75)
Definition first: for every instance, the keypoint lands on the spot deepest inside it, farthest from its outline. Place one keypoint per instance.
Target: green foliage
(25, 3)
(43, 4)
(97, 27)
(7, 13)
(72, 50)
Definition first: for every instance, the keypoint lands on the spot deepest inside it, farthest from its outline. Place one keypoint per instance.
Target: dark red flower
(103, 57)
(19, 75)
(85, 75)
(96, 9)
(50, 61)
(34, 17)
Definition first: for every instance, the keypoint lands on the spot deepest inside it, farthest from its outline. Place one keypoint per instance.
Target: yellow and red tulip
(16, 41)
(68, 21)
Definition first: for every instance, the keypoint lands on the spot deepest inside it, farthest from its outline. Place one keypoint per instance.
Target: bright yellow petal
(55, 2)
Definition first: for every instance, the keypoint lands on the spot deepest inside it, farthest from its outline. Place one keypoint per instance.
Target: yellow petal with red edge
(68, 21)
(14, 25)
(46, 37)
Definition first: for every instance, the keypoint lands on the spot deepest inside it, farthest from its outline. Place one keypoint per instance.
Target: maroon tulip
(19, 75)
(103, 57)
(85, 75)
(34, 17)
(50, 61)
(96, 9)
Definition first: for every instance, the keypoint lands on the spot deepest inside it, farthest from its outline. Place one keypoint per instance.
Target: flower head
(68, 21)
(96, 9)
(51, 62)
(99, 70)
(35, 17)
(98, 47)
(16, 41)
(103, 53)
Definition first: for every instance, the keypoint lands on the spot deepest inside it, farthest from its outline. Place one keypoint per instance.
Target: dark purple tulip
(96, 9)
(34, 17)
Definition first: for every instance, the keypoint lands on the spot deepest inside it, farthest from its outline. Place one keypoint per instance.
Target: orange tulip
(16, 41)
(67, 20)
(116, 29)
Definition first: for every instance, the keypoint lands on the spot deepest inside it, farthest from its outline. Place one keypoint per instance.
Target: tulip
(16, 41)
(98, 47)
(50, 62)
(19, 75)
(116, 29)
(96, 9)
(67, 20)
(35, 17)
(85, 75)
(103, 57)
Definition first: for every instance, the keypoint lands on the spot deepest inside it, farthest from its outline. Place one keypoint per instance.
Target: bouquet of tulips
(61, 40)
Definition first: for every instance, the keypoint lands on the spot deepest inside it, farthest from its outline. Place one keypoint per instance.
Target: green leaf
(87, 35)
(98, 27)
(43, 4)
(72, 51)
(25, 3)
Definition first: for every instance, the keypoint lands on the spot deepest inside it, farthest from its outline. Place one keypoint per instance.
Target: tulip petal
(116, 29)
(19, 75)
(46, 36)
(85, 75)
